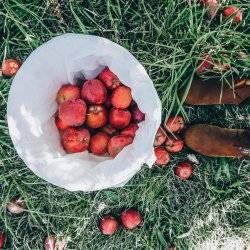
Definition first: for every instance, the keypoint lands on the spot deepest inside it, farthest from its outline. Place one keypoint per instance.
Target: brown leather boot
(215, 141)
(212, 92)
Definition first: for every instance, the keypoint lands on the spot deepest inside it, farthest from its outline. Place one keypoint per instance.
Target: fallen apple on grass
(49, 242)
(204, 64)
(162, 156)
(10, 67)
(234, 12)
(53, 242)
(2, 240)
(184, 170)
(16, 206)
(131, 218)
(174, 145)
(168, 143)
(212, 6)
(174, 124)
(160, 137)
(108, 224)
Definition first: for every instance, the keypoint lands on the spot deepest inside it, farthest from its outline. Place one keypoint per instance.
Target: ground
(209, 211)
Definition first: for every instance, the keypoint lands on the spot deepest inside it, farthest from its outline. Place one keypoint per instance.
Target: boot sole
(215, 141)
(212, 92)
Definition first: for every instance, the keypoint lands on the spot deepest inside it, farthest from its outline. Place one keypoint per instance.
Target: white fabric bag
(32, 105)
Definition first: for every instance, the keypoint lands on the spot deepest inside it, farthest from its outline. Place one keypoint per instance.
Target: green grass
(167, 37)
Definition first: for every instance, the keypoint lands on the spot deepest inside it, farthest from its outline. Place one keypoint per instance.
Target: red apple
(10, 67)
(94, 92)
(16, 206)
(60, 124)
(174, 145)
(68, 92)
(109, 130)
(131, 218)
(117, 143)
(97, 116)
(75, 140)
(119, 118)
(184, 170)
(121, 97)
(204, 64)
(53, 242)
(110, 80)
(137, 115)
(160, 137)
(211, 5)
(50, 242)
(2, 240)
(99, 143)
(234, 12)
(130, 130)
(73, 113)
(162, 156)
(108, 224)
(174, 124)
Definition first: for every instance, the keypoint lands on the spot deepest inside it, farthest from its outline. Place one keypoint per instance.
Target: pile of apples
(167, 142)
(100, 116)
